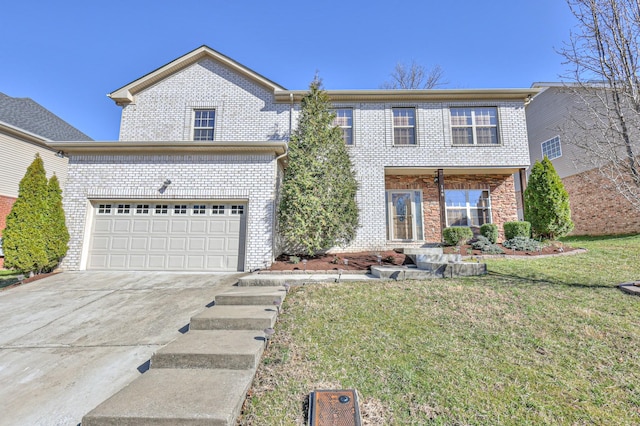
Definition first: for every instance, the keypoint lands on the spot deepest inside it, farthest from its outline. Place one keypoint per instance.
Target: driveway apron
(69, 341)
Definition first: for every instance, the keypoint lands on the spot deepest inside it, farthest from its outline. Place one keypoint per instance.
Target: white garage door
(171, 236)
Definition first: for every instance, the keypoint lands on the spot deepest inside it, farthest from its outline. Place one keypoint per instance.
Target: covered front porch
(421, 202)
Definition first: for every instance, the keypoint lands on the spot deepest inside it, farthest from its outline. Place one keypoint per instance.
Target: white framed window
(123, 209)
(474, 126)
(142, 209)
(467, 207)
(237, 209)
(217, 209)
(203, 124)
(404, 215)
(404, 126)
(552, 148)
(180, 209)
(161, 209)
(104, 208)
(199, 209)
(344, 120)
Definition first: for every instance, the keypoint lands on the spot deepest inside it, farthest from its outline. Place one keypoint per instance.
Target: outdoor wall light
(60, 154)
(164, 186)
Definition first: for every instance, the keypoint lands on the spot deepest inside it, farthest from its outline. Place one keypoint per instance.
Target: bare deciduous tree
(603, 79)
(414, 76)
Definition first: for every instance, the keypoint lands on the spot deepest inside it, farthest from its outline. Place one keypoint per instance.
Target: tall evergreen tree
(317, 208)
(546, 202)
(57, 235)
(23, 238)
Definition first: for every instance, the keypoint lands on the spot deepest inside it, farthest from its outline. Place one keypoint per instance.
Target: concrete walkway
(70, 341)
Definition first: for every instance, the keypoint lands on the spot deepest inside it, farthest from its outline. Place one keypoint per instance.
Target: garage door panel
(101, 242)
(198, 226)
(122, 225)
(137, 261)
(160, 226)
(217, 227)
(139, 243)
(179, 226)
(158, 243)
(197, 244)
(119, 243)
(216, 244)
(157, 262)
(233, 226)
(212, 240)
(141, 226)
(175, 262)
(177, 243)
(117, 261)
(102, 225)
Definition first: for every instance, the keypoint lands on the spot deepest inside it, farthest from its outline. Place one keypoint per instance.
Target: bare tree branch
(414, 76)
(605, 122)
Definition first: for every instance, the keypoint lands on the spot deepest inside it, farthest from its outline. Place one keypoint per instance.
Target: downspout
(275, 179)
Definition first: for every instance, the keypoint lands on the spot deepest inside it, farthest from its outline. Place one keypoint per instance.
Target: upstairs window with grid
(344, 120)
(404, 126)
(474, 126)
(552, 148)
(203, 124)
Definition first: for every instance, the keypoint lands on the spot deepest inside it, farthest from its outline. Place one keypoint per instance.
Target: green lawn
(536, 341)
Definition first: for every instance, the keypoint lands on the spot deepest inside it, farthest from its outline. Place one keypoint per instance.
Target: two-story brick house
(192, 184)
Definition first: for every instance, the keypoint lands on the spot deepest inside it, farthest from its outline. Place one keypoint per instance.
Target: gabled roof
(125, 94)
(24, 114)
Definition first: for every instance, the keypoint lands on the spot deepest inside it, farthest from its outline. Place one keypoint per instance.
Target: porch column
(443, 217)
(522, 173)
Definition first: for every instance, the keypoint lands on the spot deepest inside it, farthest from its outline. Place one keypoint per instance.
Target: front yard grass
(536, 341)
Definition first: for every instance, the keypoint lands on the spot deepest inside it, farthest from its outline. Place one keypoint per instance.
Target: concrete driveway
(70, 341)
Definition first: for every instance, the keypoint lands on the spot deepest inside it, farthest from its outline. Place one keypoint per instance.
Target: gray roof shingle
(26, 114)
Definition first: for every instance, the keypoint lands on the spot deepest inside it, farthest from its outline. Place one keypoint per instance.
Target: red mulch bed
(327, 262)
(363, 260)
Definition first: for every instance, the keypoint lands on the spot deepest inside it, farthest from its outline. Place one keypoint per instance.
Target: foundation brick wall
(597, 209)
(5, 208)
(501, 190)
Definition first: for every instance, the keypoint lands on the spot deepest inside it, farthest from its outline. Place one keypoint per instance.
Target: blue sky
(68, 55)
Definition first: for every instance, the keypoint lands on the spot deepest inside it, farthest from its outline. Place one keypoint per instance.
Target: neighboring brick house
(596, 208)
(26, 128)
(216, 132)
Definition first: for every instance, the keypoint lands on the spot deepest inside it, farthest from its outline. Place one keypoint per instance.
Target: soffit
(158, 147)
(415, 95)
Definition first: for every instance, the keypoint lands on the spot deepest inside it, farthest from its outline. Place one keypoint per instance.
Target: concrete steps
(232, 349)
(203, 376)
(235, 317)
(181, 397)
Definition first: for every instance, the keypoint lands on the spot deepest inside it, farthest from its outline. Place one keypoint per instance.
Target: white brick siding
(245, 110)
(373, 150)
(249, 178)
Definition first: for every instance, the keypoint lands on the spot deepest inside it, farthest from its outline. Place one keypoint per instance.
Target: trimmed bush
(490, 231)
(516, 229)
(522, 244)
(546, 202)
(492, 249)
(457, 235)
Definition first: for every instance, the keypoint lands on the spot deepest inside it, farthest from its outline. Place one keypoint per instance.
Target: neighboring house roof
(125, 94)
(29, 116)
